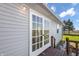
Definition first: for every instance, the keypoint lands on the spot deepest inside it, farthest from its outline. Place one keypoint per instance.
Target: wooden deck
(53, 52)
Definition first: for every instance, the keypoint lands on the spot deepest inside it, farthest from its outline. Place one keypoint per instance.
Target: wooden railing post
(52, 41)
(67, 46)
(76, 48)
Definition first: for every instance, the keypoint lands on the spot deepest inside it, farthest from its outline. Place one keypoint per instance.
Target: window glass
(34, 32)
(37, 29)
(46, 32)
(34, 18)
(40, 44)
(38, 19)
(57, 30)
(41, 26)
(38, 33)
(34, 25)
(41, 38)
(38, 39)
(34, 40)
(37, 45)
(46, 41)
(41, 32)
(33, 47)
(38, 26)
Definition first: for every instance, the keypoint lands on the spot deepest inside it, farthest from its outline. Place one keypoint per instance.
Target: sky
(66, 11)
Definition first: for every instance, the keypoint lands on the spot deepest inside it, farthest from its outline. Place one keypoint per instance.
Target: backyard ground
(71, 37)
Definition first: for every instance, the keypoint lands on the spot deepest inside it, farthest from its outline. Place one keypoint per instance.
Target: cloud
(63, 14)
(77, 20)
(69, 12)
(53, 8)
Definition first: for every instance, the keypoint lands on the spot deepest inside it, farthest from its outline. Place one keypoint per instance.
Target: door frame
(30, 47)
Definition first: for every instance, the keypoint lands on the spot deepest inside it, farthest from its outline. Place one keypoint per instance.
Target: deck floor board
(53, 52)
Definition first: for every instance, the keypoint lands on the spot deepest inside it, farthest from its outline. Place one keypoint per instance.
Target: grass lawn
(71, 37)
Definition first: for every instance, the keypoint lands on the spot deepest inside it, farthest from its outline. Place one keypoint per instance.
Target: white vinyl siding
(14, 29)
(53, 31)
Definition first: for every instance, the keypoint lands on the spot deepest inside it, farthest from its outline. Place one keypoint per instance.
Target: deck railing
(68, 44)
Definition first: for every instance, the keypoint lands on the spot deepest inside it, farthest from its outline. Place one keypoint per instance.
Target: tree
(68, 26)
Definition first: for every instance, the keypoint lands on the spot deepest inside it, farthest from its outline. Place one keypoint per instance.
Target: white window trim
(47, 45)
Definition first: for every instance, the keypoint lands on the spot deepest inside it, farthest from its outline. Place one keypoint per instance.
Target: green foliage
(68, 26)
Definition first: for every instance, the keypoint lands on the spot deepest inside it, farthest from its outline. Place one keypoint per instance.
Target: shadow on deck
(53, 52)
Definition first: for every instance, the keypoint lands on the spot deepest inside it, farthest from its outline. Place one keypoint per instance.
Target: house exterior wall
(58, 36)
(52, 20)
(53, 31)
(53, 28)
(14, 28)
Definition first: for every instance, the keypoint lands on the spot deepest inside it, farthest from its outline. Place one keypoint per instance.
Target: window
(46, 32)
(37, 29)
(57, 30)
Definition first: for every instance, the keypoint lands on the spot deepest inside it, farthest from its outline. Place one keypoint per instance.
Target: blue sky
(66, 11)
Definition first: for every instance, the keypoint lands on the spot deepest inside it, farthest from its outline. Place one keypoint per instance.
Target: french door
(40, 33)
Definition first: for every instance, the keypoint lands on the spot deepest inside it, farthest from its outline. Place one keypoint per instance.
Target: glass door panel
(40, 32)
(37, 29)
